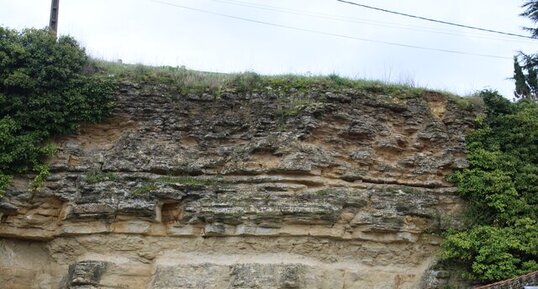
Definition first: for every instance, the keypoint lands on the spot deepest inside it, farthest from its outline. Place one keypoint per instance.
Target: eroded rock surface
(277, 189)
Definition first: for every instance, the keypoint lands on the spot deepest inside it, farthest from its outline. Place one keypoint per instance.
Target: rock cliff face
(275, 189)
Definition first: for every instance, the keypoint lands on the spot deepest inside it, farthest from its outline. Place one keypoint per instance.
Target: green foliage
(95, 177)
(194, 82)
(4, 182)
(340, 81)
(293, 106)
(147, 188)
(531, 11)
(469, 103)
(245, 82)
(526, 66)
(44, 92)
(493, 253)
(522, 88)
(189, 181)
(42, 172)
(501, 186)
(526, 76)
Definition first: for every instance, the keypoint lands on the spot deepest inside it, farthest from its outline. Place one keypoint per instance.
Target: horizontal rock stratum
(268, 189)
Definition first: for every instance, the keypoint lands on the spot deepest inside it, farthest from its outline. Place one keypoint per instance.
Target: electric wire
(370, 22)
(328, 33)
(435, 20)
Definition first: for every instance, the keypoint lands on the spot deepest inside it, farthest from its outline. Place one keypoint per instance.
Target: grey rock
(344, 176)
(8, 209)
(85, 274)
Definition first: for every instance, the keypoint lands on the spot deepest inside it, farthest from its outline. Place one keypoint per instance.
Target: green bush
(44, 92)
(501, 186)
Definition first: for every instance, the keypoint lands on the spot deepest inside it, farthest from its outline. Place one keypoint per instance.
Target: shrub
(44, 92)
(501, 186)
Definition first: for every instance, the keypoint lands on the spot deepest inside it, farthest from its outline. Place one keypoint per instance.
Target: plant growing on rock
(94, 177)
(144, 189)
(44, 92)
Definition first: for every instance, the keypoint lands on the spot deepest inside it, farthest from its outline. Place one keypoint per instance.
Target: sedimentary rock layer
(273, 189)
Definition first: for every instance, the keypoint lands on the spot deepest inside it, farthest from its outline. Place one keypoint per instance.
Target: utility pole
(53, 23)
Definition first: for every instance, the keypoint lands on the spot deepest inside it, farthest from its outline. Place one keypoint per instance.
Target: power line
(328, 33)
(365, 21)
(435, 20)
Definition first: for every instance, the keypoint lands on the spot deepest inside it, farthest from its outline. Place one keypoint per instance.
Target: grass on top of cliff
(191, 82)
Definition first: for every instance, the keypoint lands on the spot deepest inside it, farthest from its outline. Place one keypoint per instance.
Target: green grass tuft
(147, 188)
(95, 177)
(188, 180)
(191, 82)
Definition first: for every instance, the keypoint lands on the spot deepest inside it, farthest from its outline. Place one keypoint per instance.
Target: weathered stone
(85, 274)
(8, 209)
(345, 189)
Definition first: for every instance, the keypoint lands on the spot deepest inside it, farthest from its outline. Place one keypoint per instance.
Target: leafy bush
(43, 92)
(501, 186)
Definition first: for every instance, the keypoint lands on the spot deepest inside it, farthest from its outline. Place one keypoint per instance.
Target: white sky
(143, 31)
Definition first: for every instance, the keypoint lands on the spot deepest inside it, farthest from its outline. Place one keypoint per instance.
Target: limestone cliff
(272, 189)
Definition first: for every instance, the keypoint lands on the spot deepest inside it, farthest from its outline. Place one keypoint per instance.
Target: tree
(526, 66)
(531, 11)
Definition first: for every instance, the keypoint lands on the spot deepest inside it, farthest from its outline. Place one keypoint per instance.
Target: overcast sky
(149, 32)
